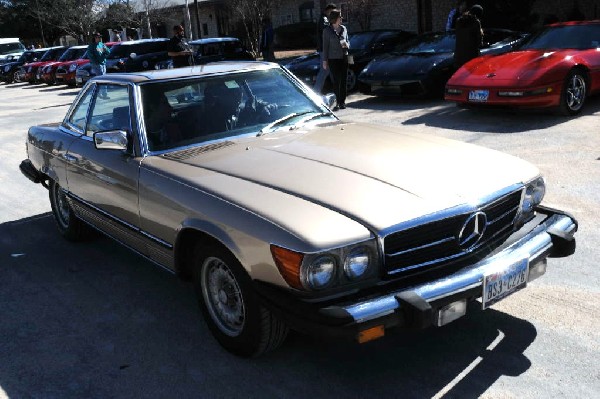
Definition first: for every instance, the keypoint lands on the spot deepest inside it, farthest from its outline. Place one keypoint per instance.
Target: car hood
(406, 65)
(375, 175)
(514, 68)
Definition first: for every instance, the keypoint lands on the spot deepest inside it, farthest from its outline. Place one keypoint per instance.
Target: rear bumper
(551, 235)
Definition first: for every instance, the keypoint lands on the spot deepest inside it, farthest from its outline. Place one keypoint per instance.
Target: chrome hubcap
(223, 296)
(576, 92)
(62, 206)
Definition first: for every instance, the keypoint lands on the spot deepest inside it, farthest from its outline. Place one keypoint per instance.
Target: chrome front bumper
(535, 246)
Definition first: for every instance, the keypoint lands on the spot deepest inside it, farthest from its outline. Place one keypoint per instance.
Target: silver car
(237, 177)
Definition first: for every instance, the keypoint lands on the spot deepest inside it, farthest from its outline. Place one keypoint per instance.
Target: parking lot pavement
(94, 320)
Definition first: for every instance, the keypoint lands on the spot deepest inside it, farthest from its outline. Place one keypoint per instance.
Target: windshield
(565, 37)
(181, 113)
(53, 54)
(10, 48)
(362, 41)
(429, 43)
(72, 54)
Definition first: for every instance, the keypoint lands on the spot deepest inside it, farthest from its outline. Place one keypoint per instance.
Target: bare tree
(153, 11)
(362, 12)
(252, 13)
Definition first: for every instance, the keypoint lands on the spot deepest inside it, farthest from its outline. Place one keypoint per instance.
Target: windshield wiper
(280, 121)
(310, 118)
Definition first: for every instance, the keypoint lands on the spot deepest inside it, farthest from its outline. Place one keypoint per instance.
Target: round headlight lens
(319, 273)
(357, 262)
(534, 194)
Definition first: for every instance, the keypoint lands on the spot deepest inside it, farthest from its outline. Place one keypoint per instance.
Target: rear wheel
(69, 225)
(574, 92)
(231, 307)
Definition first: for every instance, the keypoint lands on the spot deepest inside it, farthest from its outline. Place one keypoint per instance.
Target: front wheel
(573, 94)
(231, 307)
(69, 225)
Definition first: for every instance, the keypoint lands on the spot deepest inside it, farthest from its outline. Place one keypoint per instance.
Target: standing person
(456, 12)
(179, 50)
(321, 25)
(335, 55)
(117, 35)
(266, 42)
(469, 36)
(98, 53)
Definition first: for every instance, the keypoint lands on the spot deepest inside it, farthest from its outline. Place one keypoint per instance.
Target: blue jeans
(98, 70)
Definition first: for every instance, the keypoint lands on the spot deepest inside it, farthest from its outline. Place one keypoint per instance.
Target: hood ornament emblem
(472, 231)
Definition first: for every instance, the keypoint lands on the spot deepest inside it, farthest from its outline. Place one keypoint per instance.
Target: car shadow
(447, 115)
(56, 88)
(92, 319)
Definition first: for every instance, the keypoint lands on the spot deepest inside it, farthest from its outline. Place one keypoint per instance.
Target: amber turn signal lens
(370, 334)
(288, 262)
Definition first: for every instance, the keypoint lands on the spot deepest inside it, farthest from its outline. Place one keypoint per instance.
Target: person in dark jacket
(98, 53)
(321, 25)
(179, 50)
(469, 36)
(335, 56)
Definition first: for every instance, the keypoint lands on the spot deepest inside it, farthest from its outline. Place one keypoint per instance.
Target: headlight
(7, 68)
(72, 67)
(532, 197)
(357, 262)
(319, 273)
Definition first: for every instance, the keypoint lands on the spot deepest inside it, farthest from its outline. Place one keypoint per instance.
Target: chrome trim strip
(431, 244)
(531, 246)
(119, 221)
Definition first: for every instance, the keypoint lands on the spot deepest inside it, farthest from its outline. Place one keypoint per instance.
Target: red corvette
(558, 67)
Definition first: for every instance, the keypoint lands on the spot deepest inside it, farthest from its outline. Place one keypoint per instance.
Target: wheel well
(184, 250)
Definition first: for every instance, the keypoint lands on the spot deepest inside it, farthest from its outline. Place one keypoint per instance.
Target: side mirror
(111, 140)
(132, 55)
(328, 99)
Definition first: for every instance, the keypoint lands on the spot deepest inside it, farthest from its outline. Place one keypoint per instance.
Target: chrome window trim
(66, 121)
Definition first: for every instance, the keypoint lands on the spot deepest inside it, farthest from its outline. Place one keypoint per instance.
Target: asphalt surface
(93, 320)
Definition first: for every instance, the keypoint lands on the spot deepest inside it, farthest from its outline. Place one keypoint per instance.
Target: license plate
(479, 95)
(503, 282)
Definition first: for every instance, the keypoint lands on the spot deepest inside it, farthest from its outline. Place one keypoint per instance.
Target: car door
(104, 183)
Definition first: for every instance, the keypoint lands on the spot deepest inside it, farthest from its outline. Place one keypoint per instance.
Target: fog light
(370, 334)
(537, 270)
(451, 312)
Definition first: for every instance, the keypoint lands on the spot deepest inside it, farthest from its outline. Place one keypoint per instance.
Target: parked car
(131, 56)
(29, 71)
(65, 73)
(47, 73)
(10, 47)
(10, 71)
(364, 46)
(423, 66)
(559, 67)
(236, 176)
(214, 49)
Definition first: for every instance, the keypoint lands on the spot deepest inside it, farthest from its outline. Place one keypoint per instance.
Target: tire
(69, 225)
(12, 78)
(230, 306)
(573, 93)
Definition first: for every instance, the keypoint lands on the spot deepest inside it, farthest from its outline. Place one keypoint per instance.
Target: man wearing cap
(179, 49)
(97, 53)
(469, 36)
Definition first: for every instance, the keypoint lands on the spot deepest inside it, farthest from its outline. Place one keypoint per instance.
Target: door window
(110, 110)
(78, 117)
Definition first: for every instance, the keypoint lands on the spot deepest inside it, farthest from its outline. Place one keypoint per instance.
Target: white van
(10, 46)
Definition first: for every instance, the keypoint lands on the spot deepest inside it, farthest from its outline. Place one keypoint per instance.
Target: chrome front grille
(433, 245)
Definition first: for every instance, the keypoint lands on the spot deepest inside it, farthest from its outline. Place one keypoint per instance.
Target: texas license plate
(479, 95)
(503, 282)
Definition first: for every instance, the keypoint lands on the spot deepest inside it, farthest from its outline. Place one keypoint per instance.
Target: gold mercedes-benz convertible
(238, 177)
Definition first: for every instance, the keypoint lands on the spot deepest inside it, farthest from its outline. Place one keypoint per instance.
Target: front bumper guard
(535, 246)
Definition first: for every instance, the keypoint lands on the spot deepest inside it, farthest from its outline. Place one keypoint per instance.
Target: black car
(130, 56)
(9, 72)
(423, 66)
(214, 49)
(363, 47)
